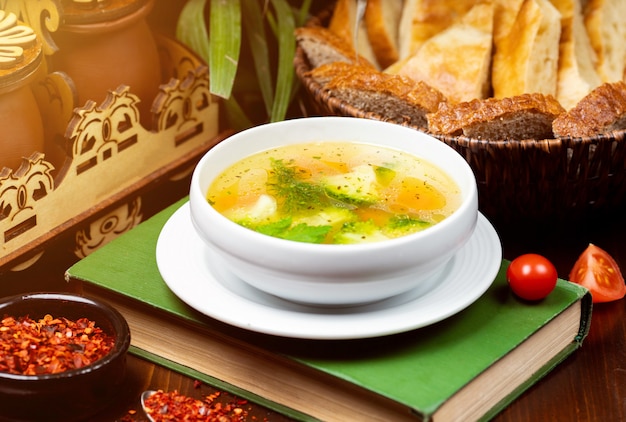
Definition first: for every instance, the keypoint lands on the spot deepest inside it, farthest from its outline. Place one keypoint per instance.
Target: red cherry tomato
(597, 271)
(531, 276)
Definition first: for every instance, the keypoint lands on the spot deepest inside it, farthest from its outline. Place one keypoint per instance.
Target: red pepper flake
(172, 406)
(50, 345)
(130, 417)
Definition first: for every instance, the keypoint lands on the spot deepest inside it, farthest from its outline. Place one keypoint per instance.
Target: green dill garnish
(287, 186)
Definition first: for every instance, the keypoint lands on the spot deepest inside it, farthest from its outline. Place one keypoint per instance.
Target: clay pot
(105, 44)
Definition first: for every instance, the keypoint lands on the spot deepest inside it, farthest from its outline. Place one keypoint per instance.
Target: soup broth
(334, 192)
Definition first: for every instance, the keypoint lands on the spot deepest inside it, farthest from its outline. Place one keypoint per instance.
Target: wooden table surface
(590, 385)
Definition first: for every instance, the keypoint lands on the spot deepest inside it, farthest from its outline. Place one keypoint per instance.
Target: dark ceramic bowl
(74, 394)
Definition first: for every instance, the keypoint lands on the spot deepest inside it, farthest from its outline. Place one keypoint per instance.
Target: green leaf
(286, 53)
(271, 79)
(258, 41)
(191, 28)
(225, 35)
(275, 228)
(303, 13)
(299, 233)
(237, 118)
(309, 234)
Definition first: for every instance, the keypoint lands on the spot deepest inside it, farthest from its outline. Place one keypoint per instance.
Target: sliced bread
(393, 97)
(505, 14)
(576, 74)
(457, 60)
(602, 110)
(321, 46)
(382, 18)
(422, 19)
(526, 60)
(527, 116)
(343, 22)
(604, 20)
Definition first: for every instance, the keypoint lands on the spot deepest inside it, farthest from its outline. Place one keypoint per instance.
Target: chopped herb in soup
(334, 192)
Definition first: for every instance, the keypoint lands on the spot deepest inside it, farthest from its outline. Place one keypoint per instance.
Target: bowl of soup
(334, 211)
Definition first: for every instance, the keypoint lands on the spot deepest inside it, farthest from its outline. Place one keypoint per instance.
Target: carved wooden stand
(107, 160)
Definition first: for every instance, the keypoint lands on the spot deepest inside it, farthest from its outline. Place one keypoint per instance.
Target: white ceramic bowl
(322, 274)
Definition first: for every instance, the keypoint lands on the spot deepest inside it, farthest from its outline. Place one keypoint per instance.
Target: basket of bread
(529, 92)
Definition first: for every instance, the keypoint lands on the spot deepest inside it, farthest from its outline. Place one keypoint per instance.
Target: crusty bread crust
(602, 110)
(527, 116)
(321, 46)
(394, 97)
(325, 73)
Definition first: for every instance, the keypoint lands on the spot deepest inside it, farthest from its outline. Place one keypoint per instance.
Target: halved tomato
(596, 270)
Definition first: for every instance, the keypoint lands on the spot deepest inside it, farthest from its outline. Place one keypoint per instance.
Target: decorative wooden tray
(92, 189)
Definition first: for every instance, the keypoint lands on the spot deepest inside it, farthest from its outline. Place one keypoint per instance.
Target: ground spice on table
(172, 406)
(50, 345)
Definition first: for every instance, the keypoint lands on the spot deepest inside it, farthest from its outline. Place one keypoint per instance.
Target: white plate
(196, 276)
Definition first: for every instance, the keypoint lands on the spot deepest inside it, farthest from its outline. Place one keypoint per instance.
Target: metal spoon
(144, 396)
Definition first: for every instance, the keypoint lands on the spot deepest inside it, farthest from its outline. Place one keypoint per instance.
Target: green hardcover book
(468, 366)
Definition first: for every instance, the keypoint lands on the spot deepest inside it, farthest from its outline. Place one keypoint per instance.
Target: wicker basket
(548, 180)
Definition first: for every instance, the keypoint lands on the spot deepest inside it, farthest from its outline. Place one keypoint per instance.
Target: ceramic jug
(106, 43)
(21, 127)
